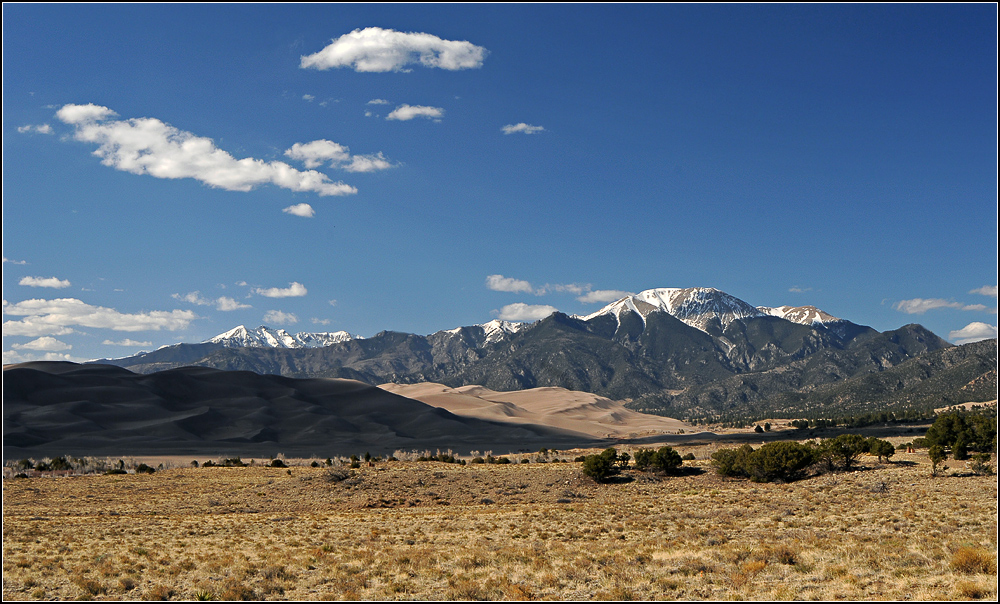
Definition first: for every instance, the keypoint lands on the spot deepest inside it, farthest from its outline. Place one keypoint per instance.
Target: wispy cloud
(374, 49)
(378, 102)
(918, 306)
(149, 146)
(308, 97)
(52, 282)
(300, 209)
(316, 321)
(43, 343)
(316, 153)
(603, 295)
(11, 356)
(57, 317)
(294, 290)
(7, 260)
(405, 113)
(277, 317)
(520, 311)
(973, 332)
(795, 289)
(223, 303)
(41, 128)
(127, 342)
(986, 290)
(522, 127)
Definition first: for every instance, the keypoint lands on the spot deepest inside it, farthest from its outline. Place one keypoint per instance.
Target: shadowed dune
(57, 408)
(584, 413)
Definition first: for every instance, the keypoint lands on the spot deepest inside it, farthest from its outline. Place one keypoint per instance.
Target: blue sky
(170, 172)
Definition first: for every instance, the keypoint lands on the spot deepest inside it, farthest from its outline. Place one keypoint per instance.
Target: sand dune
(53, 408)
(579, 412)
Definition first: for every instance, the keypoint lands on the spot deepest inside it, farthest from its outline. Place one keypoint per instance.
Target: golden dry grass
(408, 530)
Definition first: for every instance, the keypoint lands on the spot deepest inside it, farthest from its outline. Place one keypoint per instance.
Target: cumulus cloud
(277, 317)
(56, 317)
(603, 295)
(374, 49)
(41, 129)
(499, 283)
(149, 146)
(520, 311)
(43, 343)
(405, 112)
(293, 290)
(986, 290)
(127, 342)
(973, 332)
(319, 152)
(521, 127)
(918, 306)
(378, 102)
(308, 97)
(52, 282)
(300, 209)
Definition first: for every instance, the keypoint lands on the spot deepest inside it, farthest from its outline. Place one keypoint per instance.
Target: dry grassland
(409, 530)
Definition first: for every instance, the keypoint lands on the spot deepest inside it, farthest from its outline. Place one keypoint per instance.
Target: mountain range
(687, 353)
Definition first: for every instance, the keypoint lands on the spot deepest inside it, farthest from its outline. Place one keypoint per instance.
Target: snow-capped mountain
(494, 330)
(696, 306)
(806, 315)
(266, 337)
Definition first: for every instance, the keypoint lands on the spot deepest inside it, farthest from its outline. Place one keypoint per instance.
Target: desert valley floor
(431, 530)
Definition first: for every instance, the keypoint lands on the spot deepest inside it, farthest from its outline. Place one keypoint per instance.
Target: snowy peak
(496, 329)
(266, 337)
(696, 306)
(806, 315)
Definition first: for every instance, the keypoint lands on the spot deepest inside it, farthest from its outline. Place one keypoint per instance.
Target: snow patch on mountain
(266, 337)
(805, 315)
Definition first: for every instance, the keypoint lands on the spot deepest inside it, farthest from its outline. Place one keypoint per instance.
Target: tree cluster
(789, 460)
(964, 431)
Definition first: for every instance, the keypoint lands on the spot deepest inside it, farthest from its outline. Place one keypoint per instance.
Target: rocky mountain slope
(686, 353)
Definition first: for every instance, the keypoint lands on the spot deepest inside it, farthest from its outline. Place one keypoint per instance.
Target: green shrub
(782, 460)
(603, 466)
(144, 469)
(881, 448)
(732, 462)
(277, 463)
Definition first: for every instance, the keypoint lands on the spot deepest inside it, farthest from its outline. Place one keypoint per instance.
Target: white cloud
(44, 282)
(799, 290)
(126, 342)
(192, 298)
(332, 302)
(918, 306)
(316, 321)
(10, 357)
(308, 97)
(300, 209)
(43, 343)
(316, 153)
(293, 290)
(499, 283)
(149, 146)
(368, 163)
(277, 317)
(378, 102)
(225, 303)
(7, 260)
(520, 311)
(55, 317)
(374, 49)
(603, 295)
(973, 332)
(405, 112)
(521, 127)
(41, 129)
(986, 290)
